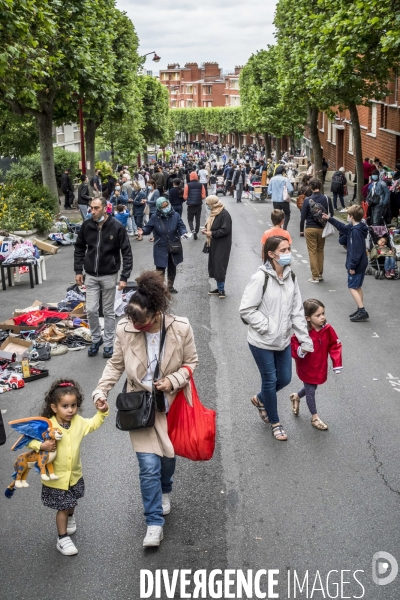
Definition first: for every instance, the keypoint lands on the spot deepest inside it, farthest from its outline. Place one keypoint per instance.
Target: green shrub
(105, 168)
(19, 214)
(29, 167)
(34, 193)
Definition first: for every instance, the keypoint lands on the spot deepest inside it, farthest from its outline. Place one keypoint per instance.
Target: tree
(43, 62)
(155, 100)
(18, 135)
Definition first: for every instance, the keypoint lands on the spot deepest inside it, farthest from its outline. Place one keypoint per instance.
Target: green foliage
(29, 167)
(35, 193)
(219, 120)
(105, 168)
(19, 213)
(168, 155)
(18, 135)
(155, 98)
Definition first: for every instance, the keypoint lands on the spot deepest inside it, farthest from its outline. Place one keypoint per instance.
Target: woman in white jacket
(272, 307)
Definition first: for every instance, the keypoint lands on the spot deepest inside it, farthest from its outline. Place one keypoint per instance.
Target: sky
(223, 31)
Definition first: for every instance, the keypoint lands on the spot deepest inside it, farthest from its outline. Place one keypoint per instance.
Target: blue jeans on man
(276, 373)
(155, 475)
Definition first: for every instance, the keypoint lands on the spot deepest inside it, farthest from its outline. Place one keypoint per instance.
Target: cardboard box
(9, 325)
(37, 304)
(45, 246)
(12, 346)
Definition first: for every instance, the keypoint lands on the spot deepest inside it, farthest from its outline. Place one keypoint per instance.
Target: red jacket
(313, 368)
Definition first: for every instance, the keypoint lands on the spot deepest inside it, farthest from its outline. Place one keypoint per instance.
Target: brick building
(194, 86)
(380, 133)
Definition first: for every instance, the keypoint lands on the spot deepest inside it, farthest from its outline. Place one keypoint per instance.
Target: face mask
(101, 219)
(144, 327)
(284, 259)
(375, 177)
(117, 188)
(166, 211)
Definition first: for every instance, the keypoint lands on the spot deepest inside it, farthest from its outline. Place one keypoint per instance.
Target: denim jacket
(276, 185)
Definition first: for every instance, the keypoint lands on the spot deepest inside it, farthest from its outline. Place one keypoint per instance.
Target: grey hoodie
(273, 318)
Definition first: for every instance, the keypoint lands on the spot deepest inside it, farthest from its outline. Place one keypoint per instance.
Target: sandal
(295, 400)
(318, 424)
(279, 433)
(261, 409)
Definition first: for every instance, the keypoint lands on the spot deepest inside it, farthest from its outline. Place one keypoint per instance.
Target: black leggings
(171, 270)
(308, 391)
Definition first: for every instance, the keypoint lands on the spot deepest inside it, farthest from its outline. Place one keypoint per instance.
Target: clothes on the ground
(35, 317)
(313, 367)
(67, 463)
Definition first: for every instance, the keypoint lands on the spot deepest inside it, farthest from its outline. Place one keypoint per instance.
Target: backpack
(316, 210)
(266, 278)
(372, 198)
(337, 182)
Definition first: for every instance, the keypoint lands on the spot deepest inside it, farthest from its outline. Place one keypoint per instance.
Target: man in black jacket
(101, 241)
(67, 188)
(83, 196)
(239, 181)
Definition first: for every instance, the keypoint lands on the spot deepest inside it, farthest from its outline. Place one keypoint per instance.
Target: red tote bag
(191, 429)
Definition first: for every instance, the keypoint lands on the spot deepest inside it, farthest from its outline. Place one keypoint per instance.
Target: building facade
(206, 85)
(67, 136)
(380, 133)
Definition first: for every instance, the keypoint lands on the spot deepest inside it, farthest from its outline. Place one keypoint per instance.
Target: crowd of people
(156, 349)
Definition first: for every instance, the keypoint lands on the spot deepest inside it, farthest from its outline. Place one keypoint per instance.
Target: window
(373, 118)
(329, 125)
(351, 139)
(173, 103)
(235, 101)
(175, 76)
(384, 116)
(207, 102)
(189, 103)
(207, 90)
(189, 89)
(165, 76)
(182, 103)
(333, 133)
(234, 84)
(194, 89)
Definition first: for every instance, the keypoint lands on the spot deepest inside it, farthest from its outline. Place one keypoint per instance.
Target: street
(321, 502)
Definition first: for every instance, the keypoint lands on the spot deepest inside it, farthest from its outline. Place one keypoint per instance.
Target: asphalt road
(321, 502)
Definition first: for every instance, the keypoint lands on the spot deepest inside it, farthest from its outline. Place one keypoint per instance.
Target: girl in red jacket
(312, 368)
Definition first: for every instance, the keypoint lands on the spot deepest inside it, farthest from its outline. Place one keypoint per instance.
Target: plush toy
(33, 428)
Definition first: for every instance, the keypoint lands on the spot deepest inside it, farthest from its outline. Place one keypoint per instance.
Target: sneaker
(392, 273)
(195, 235)
(172, 290)
(213, 292)
(388, 275)
(94, 348)
(344, 210)
(66, 546)
(221, 295)
(320, 278)
(108, 352)
(166, 504)
(57, 350)
(153, 537)
(71, 525)
(354, 313)
(362, 315)
(313, 280)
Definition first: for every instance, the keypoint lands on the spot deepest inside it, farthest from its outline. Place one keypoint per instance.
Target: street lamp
(155, 58)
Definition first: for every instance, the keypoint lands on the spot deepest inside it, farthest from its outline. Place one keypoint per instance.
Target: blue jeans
(221, 286)
(390, 263)
(276, 373)
(155, 474)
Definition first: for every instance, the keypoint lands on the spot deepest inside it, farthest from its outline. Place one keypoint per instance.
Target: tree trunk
(258, 141)
(357, 150)
(315, 141)
(278, 149)
(90, 135)
(292, 143)
(45, 127)
(267, 145)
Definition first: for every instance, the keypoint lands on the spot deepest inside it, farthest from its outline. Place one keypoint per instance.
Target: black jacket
(98, 251)
(306, 214)
(220, 247)
(239, 176)
(195, 193)
(175, 196)
(83, 194)
(66, 184)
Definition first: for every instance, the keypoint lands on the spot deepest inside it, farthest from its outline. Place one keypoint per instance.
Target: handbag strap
(164, 229)
(162, 340)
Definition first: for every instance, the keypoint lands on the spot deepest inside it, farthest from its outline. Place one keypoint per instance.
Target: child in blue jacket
(356, 259)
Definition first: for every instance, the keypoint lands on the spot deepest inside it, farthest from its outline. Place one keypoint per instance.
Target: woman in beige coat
(136, 351)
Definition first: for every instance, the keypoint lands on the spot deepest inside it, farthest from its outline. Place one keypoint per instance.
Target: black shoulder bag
(137, 410)
(173, 247)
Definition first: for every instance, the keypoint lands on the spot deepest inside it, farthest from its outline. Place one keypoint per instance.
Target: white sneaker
(313, 280)
(343, 210)
(153, 537)
(166, 504)
(67, 547)
(71, 525)
(58, 349)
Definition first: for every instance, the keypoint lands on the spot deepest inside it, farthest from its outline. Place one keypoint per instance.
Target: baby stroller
(67, 232)
(220, 185)
(376, 265)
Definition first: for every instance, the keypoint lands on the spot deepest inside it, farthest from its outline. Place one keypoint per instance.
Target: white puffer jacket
(274, 316)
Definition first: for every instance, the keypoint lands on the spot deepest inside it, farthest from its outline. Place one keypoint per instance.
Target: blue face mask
(166, 211)
(375, 177)
(284, 259)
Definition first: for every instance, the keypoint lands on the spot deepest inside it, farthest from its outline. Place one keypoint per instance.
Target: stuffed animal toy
(33, 428)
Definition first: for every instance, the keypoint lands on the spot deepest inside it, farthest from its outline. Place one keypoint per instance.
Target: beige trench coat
(130, 355)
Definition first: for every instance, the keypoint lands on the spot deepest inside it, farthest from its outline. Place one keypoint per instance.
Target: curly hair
(151, 297)
(56, 392)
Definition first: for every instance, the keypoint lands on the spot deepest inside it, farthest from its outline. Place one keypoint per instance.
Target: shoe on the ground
(83, 333)
(108, 352)
(388, 275)
(195, 235)
(320, 278)
(166, 504)
(221, 295)
(71, 525)
(66, 546)
(58, 349)
(313, 280)
(318, 424)
(343, 210)
(392, 273)
(172, 290)
(154, 536)
(354, 313)
(94, 348)
(362, 315)
(213, 292)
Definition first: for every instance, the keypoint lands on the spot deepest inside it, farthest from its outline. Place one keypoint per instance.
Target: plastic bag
(191, 429)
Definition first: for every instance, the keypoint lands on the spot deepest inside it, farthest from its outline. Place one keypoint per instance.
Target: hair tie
(66, 384)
